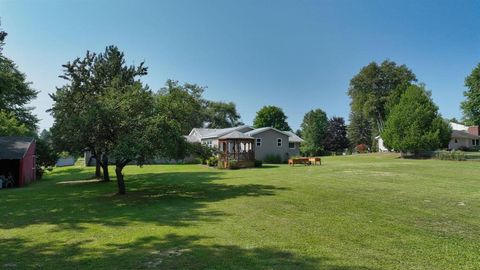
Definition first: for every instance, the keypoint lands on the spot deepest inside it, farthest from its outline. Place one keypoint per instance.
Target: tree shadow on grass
(173, 198)
(171, 252)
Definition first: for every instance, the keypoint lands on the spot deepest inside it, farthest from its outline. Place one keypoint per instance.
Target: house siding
(460, 142)
(269, 145)
(292, 152)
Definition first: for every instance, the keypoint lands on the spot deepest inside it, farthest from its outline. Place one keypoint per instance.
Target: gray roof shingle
(236, 135)
(14, 147)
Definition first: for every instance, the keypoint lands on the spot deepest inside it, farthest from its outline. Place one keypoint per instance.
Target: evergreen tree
(414, 125)
(314, 129)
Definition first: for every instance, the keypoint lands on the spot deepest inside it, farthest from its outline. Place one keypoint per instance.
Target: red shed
(17, 159)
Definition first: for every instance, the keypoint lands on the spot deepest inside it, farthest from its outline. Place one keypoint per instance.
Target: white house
(464, 137)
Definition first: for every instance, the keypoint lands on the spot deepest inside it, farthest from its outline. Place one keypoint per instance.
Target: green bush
(273, 159)
(451, 155)
(212, 162)
(233, 164)
(258, 163)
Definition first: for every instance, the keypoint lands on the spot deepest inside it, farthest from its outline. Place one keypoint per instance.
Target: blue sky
(298, 55)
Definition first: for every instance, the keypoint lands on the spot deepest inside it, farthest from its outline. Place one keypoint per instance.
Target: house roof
(236, 135)
(263, 129)
(463, 135)
(214, 133)
(293, 137)
(14, 147)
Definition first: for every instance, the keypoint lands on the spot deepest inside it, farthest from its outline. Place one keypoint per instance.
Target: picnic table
(305, 161)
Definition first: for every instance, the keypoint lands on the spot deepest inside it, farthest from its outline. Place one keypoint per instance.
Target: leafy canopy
(471, 106)
(336, 135)
(314, 129)
(222, 115)
(359, 129)
(376, 88)
(10, 126)
(415, 125)
(271, 116)
(15, 91)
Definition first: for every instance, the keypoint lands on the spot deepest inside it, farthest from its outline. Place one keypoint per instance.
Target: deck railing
(241, 156)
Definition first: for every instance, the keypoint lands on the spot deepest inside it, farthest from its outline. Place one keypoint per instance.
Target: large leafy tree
(10, 126)
(414, 124)
(222, 115)
(80, 121)
(359, 129)
(471, 106)
(136, 131)
(183, 104)
(336, 136)
(376, 88)
(271, 116)
(314, 129)
(104, 107)
(15, 91)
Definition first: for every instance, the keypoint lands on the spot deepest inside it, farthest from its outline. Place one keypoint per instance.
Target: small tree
(359, 130)
(314, 129)
(336, 136)
(271, 116)
(415, 125)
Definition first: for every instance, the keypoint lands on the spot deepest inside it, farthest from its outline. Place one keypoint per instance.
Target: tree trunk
(106, 175)
(120, 181)
(98, 172)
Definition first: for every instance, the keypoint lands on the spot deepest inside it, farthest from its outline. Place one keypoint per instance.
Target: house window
(291, 145)
(474, 142)
(477, 142)
(259, 141)
(456, 141)
(209, 143)
(279, 142)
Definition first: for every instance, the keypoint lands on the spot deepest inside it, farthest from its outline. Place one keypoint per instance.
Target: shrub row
(450, 155)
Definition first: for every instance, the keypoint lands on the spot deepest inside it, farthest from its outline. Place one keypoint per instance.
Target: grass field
(354, 212)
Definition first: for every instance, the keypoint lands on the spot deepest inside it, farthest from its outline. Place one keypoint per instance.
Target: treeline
(387, 101)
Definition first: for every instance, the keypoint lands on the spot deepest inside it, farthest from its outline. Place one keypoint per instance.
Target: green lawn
(354, 212)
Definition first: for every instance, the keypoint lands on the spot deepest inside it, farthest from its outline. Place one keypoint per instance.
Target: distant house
(462, 137)
(17, 160)
(267, 140)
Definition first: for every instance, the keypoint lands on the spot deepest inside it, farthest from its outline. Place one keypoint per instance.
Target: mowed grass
(353, 212)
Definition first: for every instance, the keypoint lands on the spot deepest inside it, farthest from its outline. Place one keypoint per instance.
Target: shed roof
(14, 147)
(236, 135)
